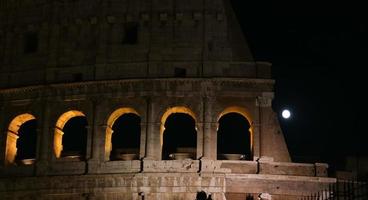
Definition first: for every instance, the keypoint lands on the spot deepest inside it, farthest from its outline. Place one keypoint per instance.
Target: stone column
(89, 142)
(263, 137)
(153, 150)
(200, 139)
(142, 146)
(93, 142)
(208, 129)
(150, 134)
(207, 140)
(45, 147)
(213, 141)
(95, 136)
(108, 143)
(256, 140)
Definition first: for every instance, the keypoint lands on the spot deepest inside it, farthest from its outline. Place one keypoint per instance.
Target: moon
(286, 114)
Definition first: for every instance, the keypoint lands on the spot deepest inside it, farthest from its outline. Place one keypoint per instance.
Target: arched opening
(70, 138)
(179, 137)
(123, 133)
(26, 143)
(234, 137)
(126, 137)
(21, 143)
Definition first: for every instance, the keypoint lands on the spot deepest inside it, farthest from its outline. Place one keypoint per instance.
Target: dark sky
(319, 57)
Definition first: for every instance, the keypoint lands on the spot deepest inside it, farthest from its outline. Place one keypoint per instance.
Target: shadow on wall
(203, 196)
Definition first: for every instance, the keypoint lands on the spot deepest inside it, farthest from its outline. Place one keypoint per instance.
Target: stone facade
(103, 59)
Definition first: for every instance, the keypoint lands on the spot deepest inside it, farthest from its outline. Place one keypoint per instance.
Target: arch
(243, 112)
(58, 134)
(65, 117)
(168, 113)
(109, 131)
(236, 109)
(13, 135)
(172, 110)
(119, 112)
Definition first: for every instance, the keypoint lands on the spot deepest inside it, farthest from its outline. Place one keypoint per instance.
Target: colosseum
(138, 99)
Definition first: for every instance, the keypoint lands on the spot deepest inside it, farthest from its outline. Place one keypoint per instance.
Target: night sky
(319, 57)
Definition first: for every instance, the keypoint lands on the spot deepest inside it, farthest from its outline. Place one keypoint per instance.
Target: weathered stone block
(171, 166)
(240, 167)
(280, 168)
(321, 169)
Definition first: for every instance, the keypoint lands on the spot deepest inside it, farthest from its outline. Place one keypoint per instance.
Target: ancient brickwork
(100, 60)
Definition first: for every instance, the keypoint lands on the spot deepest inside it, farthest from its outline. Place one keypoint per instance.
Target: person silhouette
(201, 195)
(209, 197)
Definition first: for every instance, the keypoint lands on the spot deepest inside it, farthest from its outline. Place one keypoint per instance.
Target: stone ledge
(67, 168)
(240, 167)
(276, 184)
(171, 166)
(15, 171)
(286, 169)
(112, 167)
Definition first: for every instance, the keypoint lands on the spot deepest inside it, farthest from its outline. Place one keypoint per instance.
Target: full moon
(286, 114)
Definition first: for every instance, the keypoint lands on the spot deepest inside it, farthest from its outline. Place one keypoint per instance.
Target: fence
(342, 190)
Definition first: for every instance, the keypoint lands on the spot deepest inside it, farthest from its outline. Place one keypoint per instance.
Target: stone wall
(83, 40)
(159, 186)
(93, 58)
(207, 99)
(48, 103)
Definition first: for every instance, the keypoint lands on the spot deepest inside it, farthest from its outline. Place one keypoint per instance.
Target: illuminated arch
(12, 136)
(58, 135)
(172, 110)
(245, 113)
(110, 122)
(236, 109)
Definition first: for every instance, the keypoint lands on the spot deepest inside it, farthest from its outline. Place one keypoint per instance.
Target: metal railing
(341, 190)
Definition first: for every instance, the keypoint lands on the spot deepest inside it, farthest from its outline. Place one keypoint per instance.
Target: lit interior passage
(234, 138)
(125, 139)
(179, 137)
(21, 144)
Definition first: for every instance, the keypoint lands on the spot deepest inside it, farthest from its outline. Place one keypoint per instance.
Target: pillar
(209, 130)
(45, 145)
(142, 146)
(95, 138)
(151, 133)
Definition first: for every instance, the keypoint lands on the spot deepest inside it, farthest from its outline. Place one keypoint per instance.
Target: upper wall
(70, 41)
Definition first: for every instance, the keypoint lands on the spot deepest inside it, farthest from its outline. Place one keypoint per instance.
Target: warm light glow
(286, 114)
(119, 112)
(28, 161)
(58, 134)
(110, 122)
(236, 109)
(12, 136)
(64, 118)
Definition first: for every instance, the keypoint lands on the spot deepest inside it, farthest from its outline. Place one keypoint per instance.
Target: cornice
(207, 86)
